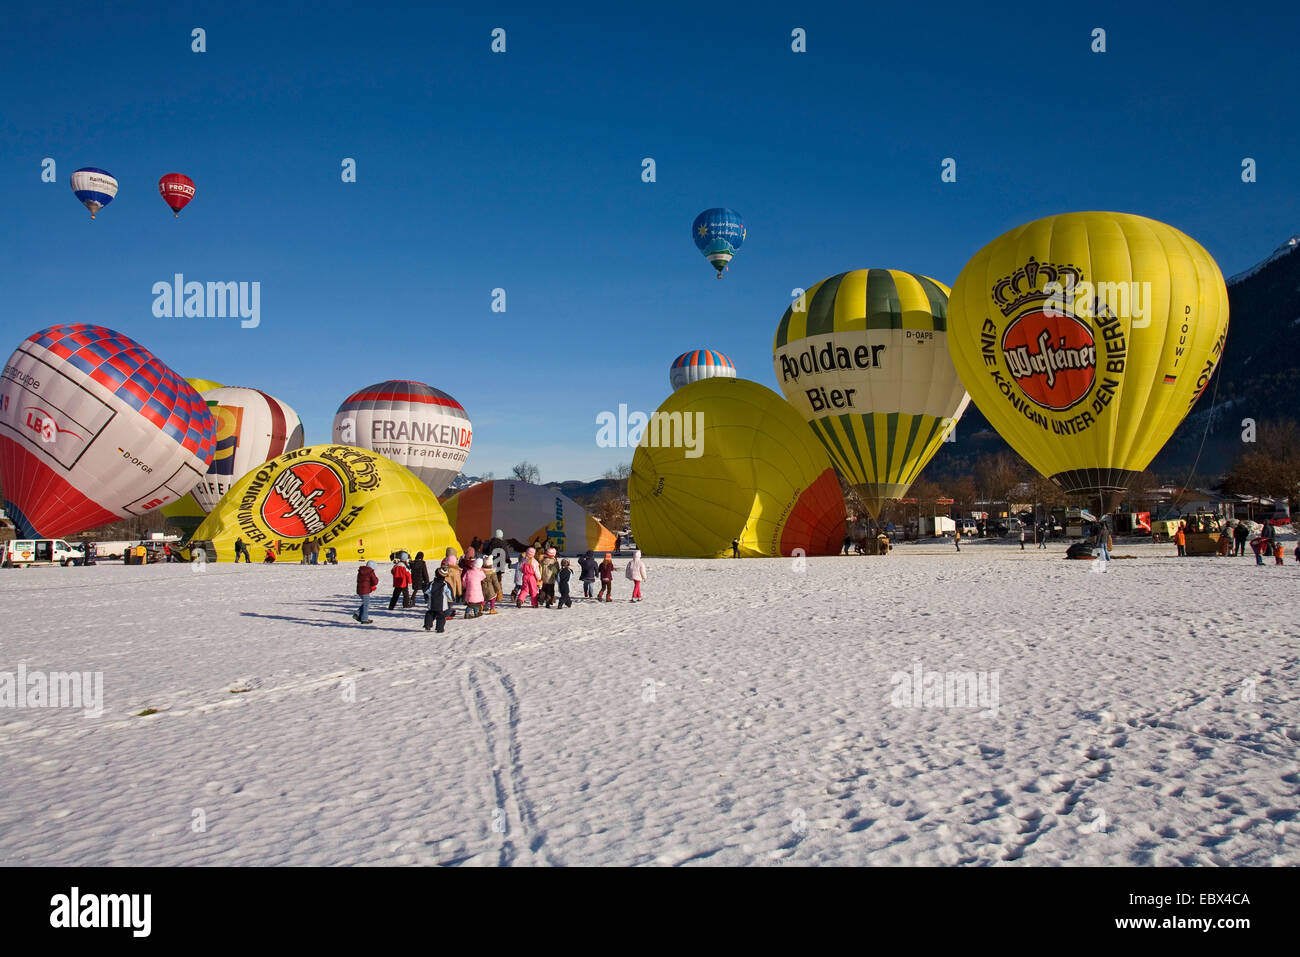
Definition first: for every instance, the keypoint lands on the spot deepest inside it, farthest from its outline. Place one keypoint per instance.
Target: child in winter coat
(367, 582)
(588, 566)
(491, 587)
(474, 589)
(419, 577)
(550, 571)
(401, 586)
(606, 580)
(1279, 554)
(636, 573)
(519, 576)
(439, 601)
(455, 586)
(1258, 546)
(531, 573)
(566, 575)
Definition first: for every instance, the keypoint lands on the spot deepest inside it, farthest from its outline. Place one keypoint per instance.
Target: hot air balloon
(351, 499)
(525, 512)
(252, 427)
(186, 514)
(1085, 338)
(203, 385)
(411, 423)
(177, 190)
(864, 358)
(726, 459)
(93, 428)
(699, 364)
(94, 187)
(718, 233)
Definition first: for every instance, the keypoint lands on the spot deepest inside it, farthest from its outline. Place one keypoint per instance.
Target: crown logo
(359, 467)
(1026, 285)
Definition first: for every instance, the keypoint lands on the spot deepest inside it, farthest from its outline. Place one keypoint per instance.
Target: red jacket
(401, 576)
(367, 580)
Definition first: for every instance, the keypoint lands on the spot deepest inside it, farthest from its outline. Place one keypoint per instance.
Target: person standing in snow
(636, 573)
(565, 576)
(1279, 554)
(530, 578)
(956, 538)
(455, 586)
(491, 587)
(606, 579)
(1022, 538)
(473, 579)
(367, 582)
(401, 585)
(439, 601)
(588, 567)
(519, 576)
(419, 577)
(735, 548)
(1240, 535)
(241, 549)
(550, 571)
(1180, 539)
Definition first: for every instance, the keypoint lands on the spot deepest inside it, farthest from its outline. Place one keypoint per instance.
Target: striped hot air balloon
(94, 427)
(411, 423)
(700, 364)
(252, 428)
(94, 188)
(864, 358)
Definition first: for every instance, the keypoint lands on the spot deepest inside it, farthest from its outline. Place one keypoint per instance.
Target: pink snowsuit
(530, 587)
(473, 580)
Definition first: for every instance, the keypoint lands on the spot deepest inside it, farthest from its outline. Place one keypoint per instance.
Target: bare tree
(526, 471)
(1272, 468)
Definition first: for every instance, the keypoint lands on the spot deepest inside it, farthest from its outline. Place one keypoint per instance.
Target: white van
(41, 551)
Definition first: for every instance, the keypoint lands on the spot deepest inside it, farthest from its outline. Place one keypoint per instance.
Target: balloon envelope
(252, 428)
(718, 233)
(177, 190)
(752, 471)
(864, 358)
(93, 428)
(526, 513)
(1085, 338)
(360, 503)
(700, 364)
(94, 188)
(413, 424)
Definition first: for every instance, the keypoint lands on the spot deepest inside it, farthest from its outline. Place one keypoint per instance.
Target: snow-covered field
(747, 712)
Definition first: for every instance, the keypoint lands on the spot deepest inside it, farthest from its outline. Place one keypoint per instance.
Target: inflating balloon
(94, 188)
(526, 513)
(864, 358)
(353, 500)
(203, 385)
(93, 428)
(252, 427)
(700, 364)
(718, 233)
(185, 514)
(177, 190)
(726, 459)
(411, 423)
(1085, 339)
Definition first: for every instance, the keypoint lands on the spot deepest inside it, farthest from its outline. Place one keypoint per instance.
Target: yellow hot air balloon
(185, 513)
(726, 459)
(362, 504)
(1085, 339)
(203, 385)
(864, 358)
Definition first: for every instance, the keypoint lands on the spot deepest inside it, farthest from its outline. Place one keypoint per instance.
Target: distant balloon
(252, 428)
(700, 364)
(525, 513)
(177, 190)
(353, 500)
(864, 358)
(718, 234)
(94, 187)
(1085, 338)
(93, 428)
(751, 471)
(413, 424)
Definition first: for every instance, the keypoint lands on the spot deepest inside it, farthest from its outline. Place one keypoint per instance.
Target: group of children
(475, 581)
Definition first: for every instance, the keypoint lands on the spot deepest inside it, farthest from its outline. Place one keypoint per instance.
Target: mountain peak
(1288, 247)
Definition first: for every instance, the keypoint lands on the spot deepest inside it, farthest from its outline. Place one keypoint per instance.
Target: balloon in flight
(699, 364)
(94, 427)
(360, 503)
(1085, 338)
(413, 424)
(252, 427)
(725, 459)
(864, 358)
(177, 190)
(94, 188)
(718, 233)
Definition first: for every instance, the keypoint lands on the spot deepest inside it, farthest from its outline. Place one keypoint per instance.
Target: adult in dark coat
(589, 568)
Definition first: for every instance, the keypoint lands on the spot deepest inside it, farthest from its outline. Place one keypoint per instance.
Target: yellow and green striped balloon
(864, 358)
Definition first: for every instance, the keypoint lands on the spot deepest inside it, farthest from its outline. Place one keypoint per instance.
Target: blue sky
(522, 171)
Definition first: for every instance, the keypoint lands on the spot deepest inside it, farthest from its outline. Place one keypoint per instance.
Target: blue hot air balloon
(718, 233)
(94, 187)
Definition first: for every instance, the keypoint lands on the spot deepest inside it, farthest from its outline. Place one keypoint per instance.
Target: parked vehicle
(41, 551)
(968, 527)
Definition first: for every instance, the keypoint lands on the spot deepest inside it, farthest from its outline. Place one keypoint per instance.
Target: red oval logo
(1053, 358)
(304, 499)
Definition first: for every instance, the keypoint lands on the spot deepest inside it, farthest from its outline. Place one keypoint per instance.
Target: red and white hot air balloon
(177, 190)
(252, 428)
(94, 427)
